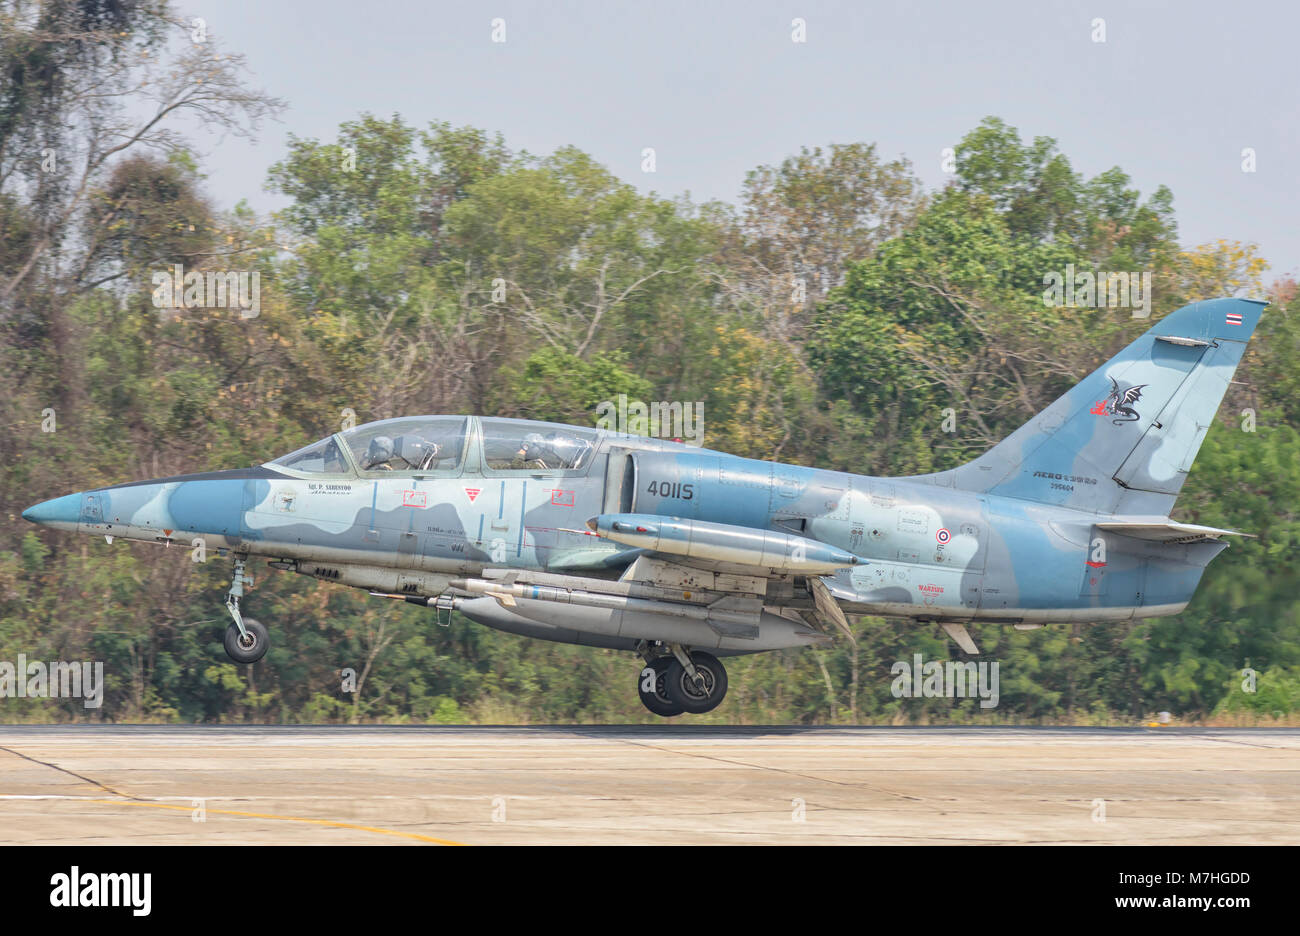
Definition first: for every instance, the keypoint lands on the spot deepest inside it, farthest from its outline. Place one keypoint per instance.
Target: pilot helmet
(379, 452)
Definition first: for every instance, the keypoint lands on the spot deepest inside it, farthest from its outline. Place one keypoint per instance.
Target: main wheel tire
(657, 701)
(683, 691)
(250, 649)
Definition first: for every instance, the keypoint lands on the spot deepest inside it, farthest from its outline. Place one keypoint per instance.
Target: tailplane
(1123, 440)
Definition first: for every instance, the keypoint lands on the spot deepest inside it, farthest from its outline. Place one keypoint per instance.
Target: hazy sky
(1173, 95)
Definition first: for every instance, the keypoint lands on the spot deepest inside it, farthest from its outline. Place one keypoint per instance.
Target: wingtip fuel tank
(723, 542)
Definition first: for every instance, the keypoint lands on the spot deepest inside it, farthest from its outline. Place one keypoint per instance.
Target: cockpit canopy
(439, 445)
(510, 445)
(320, 457)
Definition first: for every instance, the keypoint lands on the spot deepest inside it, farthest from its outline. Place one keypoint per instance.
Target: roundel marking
(942, 535)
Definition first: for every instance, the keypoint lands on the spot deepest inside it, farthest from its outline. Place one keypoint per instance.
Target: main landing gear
(676, 682)
(246, 640)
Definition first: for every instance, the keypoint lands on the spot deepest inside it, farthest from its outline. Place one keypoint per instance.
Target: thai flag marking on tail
(1234, 318)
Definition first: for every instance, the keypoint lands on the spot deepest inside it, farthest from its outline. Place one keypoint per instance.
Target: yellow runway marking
(323, 822)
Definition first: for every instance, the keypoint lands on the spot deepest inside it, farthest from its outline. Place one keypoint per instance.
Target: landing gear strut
(693, 682)
(246, 640)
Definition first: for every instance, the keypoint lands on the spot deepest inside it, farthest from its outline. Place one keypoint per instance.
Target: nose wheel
(248, 646)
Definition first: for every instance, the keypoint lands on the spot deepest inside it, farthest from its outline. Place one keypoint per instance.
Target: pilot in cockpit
(418, 453)
(406, 452)
(378, 454)
(554, 450)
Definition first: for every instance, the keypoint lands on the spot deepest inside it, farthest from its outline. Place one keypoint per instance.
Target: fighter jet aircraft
(685, 555)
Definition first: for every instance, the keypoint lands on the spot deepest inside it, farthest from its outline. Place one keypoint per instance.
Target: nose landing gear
(246, 640)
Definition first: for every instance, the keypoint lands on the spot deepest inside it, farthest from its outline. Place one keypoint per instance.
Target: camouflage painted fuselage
(930, 551)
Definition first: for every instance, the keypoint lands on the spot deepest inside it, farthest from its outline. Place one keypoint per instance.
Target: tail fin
(1122, 441)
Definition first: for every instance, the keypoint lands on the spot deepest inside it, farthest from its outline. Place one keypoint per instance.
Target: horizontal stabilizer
(1166, 531)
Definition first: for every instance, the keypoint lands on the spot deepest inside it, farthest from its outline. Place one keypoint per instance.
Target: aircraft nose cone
(62, 510)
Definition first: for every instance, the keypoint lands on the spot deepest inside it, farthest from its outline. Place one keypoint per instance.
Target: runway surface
(647, 785)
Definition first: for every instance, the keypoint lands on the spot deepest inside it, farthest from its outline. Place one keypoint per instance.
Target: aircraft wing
(734, 557)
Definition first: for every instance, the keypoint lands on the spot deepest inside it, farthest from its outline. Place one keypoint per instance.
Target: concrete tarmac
(636, 785)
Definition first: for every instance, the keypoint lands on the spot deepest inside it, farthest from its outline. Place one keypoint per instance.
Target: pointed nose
(60, 512)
